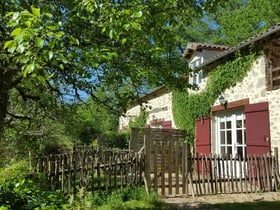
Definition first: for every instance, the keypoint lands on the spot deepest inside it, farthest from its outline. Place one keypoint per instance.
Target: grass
(130, 198)
(136, 205)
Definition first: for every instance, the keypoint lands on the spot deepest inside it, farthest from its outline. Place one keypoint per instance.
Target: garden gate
(165, 158)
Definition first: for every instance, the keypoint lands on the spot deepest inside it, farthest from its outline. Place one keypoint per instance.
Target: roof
(150, 95)
(243, 44)
(154, 93)
(195, 46)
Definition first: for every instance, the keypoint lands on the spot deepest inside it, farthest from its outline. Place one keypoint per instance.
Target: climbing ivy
(139, 121)
(187, 107)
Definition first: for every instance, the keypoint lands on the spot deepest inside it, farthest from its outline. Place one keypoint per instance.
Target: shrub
(20, 189)
(114, 140)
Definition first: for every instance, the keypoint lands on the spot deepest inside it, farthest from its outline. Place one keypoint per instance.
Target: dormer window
(197, 75)
(197, 78)
(197, 54)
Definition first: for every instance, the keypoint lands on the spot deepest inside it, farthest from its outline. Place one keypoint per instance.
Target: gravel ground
(203, 202)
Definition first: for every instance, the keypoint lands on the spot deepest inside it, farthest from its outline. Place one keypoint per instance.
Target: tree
(64, 47)
(239, 19)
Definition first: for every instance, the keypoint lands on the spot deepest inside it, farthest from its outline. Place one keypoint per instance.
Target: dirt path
(203, 202)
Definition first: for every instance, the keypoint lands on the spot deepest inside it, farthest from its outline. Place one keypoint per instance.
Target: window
(273, 73)
(197, 77)
(230, 133)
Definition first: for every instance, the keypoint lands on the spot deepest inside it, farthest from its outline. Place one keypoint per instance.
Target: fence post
(276, 156)
(147, 180)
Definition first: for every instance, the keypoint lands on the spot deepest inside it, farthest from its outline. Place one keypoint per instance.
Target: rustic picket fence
(170, 169)
(218, 174)
(167, 167)
(91, 168)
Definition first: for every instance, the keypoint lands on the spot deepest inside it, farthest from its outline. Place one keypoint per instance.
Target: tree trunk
(4, 98)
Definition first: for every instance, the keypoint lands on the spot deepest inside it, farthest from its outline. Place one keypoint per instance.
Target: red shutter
(203, 136)
(146, 126)
(167, 124)
(257, 128)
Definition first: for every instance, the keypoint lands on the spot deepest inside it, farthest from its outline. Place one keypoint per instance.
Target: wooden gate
(165, 158)
(166, 167)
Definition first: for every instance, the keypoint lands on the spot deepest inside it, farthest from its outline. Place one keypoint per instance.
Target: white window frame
(229, 169)
(197, 77)
(235, 143)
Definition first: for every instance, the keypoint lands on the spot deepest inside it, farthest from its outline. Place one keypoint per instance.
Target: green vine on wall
(187, 107)
(140, 121)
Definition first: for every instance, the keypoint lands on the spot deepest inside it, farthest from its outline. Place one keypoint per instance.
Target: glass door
(231, 135)
(231, 141)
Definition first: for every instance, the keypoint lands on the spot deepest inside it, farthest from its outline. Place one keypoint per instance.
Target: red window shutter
(167, 124)
(203, 136)
(257, 128)
(146, 126)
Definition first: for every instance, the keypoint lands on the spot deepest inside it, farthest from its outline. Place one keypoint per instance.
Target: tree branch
(19, 117)
(26, 96)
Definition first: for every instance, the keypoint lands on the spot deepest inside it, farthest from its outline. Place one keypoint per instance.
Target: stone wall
(159, 108)
(131, 114)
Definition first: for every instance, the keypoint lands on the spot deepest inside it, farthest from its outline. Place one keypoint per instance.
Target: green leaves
(238, 20)
(137, 14)
(16, 32)
(50, 54)
(36, 37)
(32, 69)
(11, 44)
(187, 107)
(39, 42)
(111, 34)
(113, 50)
(35, 11)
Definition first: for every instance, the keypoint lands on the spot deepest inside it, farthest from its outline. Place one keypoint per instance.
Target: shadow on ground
(260, 205)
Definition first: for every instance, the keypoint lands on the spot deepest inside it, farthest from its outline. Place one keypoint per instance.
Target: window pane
(239, 137)
(239, 123)
(229, 140)
(240, 151)
(222, 125)
(223, 151)
(222, 133)
(228, 124)
(229, 150)
(195, 79)
(200, 76)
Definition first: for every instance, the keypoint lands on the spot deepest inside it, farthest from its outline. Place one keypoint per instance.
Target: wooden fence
(167, 167)
(91, 168)
(216, 174)
(170, 169)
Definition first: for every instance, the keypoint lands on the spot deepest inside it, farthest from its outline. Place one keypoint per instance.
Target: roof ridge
(194, 46)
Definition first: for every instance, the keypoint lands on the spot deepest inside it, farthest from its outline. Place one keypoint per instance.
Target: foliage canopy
(52, 48)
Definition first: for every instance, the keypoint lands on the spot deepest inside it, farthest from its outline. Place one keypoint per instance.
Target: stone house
(245, 119)
(158, 103)
(158, 106)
